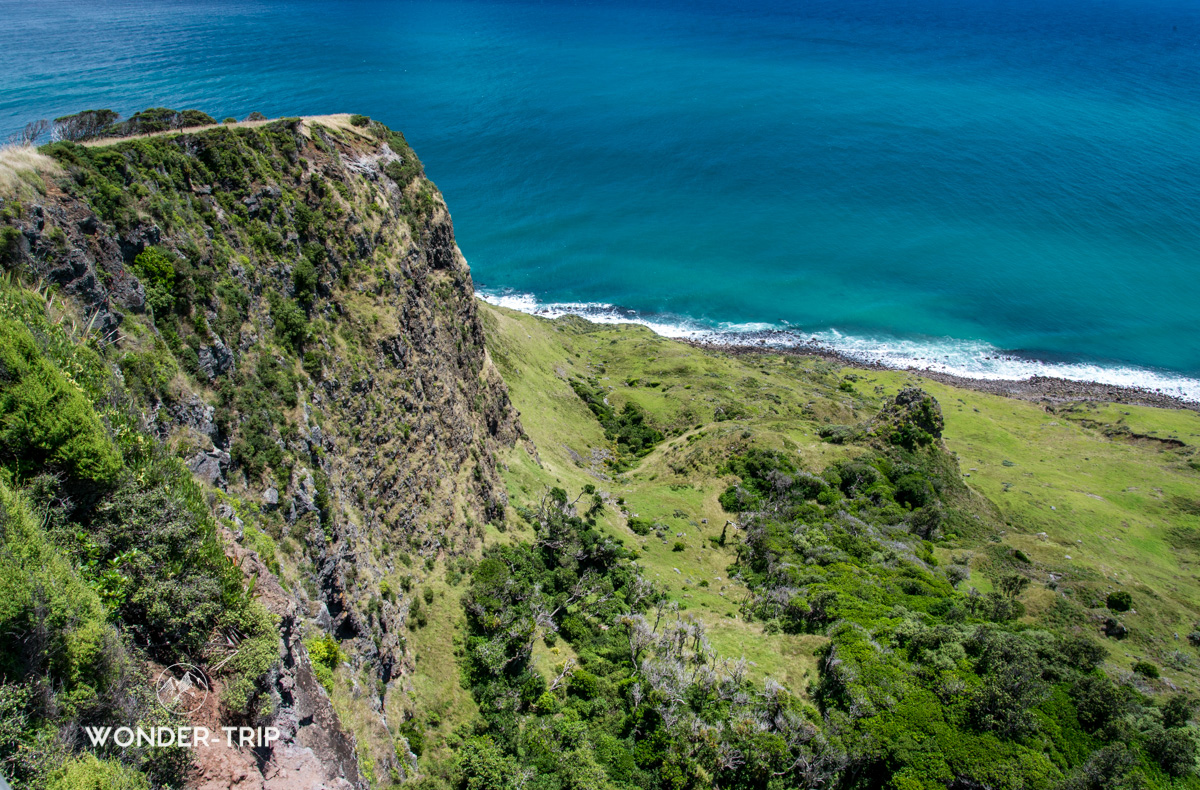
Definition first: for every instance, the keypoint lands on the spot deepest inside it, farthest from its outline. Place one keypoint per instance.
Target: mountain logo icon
(181, 689)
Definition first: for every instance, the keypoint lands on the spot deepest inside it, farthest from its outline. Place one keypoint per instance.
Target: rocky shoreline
(1036, 388)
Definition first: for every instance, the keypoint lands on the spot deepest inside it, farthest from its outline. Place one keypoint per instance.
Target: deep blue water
(953, 180)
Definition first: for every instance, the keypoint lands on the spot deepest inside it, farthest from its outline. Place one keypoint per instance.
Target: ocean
(993, 189)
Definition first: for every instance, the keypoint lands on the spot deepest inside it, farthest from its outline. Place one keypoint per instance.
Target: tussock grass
(18, 160)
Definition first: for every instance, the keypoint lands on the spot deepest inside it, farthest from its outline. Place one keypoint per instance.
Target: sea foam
(966, 358)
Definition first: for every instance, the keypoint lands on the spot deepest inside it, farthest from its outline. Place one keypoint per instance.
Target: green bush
(90, 773)
(148, 373)
(1119, 601)
(325, 654)
(304, 281)
(482, 766)
(627, 429)
(155, 532)
(10, 245)
(1146, 669)
(157, 272)
(1177, 711)
(841, 434)
(1174, 749)
(256, 654)
(41, 593)
(414, 733)
(914, 491)
(314, 364)
(291, 325)
(583, 684)
(641, 526)
(45, 419)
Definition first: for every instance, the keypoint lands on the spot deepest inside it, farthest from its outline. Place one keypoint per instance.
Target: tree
(1178, 710)
(1175, 750)
(1112, 768)
(84, 125)
(1098, 702)
(484, 767)
(1013, 584)
(30, 134)
(304, 281)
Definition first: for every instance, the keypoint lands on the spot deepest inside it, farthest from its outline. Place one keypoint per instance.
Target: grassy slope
(1110, 503)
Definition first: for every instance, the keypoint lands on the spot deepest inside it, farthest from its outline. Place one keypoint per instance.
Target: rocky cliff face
(290, 313)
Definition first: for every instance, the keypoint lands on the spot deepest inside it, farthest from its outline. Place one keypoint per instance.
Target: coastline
(1048, 389)
(764, 339)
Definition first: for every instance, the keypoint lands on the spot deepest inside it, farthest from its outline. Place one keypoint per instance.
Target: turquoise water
(991, 188)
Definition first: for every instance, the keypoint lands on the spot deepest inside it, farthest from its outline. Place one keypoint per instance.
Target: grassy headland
(252, 417)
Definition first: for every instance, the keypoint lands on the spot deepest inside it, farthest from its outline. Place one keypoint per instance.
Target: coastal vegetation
(253, 419)
(929, 613)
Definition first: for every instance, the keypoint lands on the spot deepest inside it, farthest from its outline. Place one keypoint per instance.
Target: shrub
(157, 273)
(1083, 653)
(359, 120)
(1120, 601)
(10, 245)
(41, 593)
(640, 526)
(84, 125)
(256, 654)
(1146, 669)
(628, 428)
(314, 364)
(304, 281)
(1174, 749)
(325, 654)
(1178, 710)
(483, 766)
(583, 684)
(402, 170)
(148, 373)
(156, 534)
(414, 734)
(90, 773)
(45, 420)
(840, 434)
(291, 325)
(679, 546)
(1098, 701)
(914, 491)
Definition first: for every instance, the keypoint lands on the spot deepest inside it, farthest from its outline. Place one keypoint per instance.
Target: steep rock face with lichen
(290, 314)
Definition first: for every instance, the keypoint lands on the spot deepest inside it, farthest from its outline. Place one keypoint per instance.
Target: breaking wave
(966, 358)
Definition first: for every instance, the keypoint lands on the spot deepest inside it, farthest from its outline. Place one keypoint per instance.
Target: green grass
(1114, 502)
(434, 694)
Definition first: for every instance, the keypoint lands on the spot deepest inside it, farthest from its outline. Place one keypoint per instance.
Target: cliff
(284, 308)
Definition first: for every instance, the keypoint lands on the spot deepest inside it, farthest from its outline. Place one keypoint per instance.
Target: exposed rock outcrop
(315, 355)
